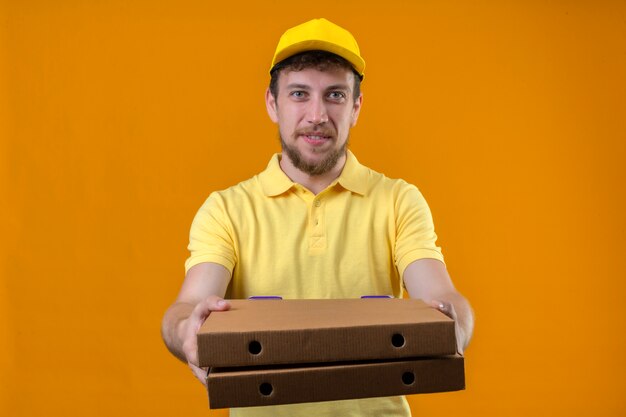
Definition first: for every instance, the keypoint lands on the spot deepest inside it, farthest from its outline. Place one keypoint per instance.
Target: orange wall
(119, 118)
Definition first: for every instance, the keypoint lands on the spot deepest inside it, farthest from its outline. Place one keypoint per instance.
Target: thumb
(445, 307)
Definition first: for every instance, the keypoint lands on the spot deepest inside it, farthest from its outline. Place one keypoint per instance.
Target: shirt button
(318, 203)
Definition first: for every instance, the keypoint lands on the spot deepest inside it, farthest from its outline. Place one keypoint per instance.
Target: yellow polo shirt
(354, 238)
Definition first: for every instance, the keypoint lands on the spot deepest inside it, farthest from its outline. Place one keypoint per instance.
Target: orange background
(117, 119)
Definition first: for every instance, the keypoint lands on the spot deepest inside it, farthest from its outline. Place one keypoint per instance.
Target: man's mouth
(315, 138)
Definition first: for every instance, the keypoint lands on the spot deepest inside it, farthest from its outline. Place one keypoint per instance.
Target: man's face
(314, 111)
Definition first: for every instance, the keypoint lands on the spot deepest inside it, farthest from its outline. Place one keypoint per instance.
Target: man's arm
(428, 280)
(202, 292)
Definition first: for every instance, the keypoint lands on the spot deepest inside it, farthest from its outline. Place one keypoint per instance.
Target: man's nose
(317, 111)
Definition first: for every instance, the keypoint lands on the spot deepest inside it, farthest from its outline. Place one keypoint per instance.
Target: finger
(211, 303)
(200, 373)
(215, 303)
(445, 307)
(202, 310)
(439, 305)
(448, 309)
(197, 317)
(190, 347)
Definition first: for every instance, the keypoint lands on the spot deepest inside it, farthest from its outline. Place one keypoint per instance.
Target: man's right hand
(189, 329)
(202, 292)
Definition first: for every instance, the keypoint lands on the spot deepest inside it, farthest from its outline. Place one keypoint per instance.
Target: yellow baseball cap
(319, 34)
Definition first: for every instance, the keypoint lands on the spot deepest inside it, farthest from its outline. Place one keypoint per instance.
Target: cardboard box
(294, 384)
(262, 332)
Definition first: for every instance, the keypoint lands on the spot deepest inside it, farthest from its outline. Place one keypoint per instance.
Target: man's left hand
(447, 308)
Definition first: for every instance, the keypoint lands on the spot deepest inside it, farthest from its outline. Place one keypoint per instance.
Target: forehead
(316, 79)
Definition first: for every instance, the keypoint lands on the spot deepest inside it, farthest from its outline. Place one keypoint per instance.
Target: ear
(356, 109)
(271, 105)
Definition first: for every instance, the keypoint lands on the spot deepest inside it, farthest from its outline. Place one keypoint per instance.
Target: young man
(315, 223)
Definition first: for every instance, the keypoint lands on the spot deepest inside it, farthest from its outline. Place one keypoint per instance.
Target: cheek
(347, 120)
(286, 126)
(288, 116)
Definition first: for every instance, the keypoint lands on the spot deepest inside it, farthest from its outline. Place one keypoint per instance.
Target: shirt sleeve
(415, 231)
(210, 237)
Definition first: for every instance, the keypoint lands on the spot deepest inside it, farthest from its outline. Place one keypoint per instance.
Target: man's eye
(336, 95)
(297, 94)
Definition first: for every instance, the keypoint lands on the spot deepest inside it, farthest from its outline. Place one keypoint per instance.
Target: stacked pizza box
(269, 352)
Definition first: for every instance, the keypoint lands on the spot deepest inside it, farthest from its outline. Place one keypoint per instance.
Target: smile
(315, 139)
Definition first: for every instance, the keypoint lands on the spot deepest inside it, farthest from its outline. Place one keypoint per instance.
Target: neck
(314, 183)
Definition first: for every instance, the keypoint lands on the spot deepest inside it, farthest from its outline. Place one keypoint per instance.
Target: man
(315, 223)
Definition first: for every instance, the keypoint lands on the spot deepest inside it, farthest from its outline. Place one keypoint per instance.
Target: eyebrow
(330, 87)
(338, 87)
(298, 86)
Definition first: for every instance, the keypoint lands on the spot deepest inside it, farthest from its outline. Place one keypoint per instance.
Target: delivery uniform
(354, 238)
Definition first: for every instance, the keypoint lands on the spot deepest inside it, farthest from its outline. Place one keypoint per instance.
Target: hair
(321, 61)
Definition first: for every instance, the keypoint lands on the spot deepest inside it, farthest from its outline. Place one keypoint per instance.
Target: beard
(313, 169)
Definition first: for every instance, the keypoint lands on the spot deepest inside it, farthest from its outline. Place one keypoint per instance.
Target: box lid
(258, 332)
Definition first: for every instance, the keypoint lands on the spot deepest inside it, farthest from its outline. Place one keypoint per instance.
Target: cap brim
(319, 45)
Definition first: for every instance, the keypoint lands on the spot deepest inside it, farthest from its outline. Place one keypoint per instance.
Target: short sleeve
(415, 231)
(210, 237)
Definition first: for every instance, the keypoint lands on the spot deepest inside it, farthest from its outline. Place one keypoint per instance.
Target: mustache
(319, 131)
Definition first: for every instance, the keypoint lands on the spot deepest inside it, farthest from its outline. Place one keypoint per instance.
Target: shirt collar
(273, 180)
(353, 177)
